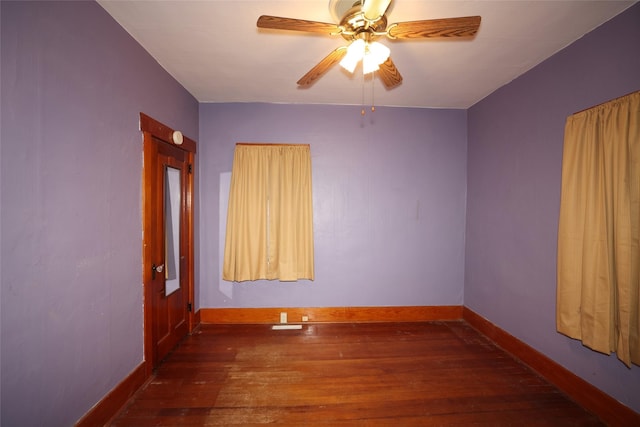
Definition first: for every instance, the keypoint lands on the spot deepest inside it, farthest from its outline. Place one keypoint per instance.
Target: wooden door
(167, 240)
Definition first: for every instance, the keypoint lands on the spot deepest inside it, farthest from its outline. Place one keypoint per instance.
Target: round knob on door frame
(177, 137)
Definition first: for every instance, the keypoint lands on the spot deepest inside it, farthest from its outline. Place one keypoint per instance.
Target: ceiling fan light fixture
(355, 52)
(371, 54)
(378, 52)
(369, 64)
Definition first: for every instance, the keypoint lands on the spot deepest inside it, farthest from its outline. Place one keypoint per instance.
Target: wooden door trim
(152, 131)
(165, 133)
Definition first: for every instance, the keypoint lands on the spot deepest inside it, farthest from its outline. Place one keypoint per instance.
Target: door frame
(152, 132)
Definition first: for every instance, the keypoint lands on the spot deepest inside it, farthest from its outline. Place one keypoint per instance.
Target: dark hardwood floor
(375, 374)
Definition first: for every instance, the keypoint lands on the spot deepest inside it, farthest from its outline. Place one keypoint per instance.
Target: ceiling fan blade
(435, 28)
(292, 24)
(389, 74)
(323, 66)
(374, 9)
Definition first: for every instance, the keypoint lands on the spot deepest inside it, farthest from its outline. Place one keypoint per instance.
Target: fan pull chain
(373, 85)
(363, 85)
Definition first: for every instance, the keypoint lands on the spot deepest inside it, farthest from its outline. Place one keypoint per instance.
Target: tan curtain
(598, 258)
(270, 217)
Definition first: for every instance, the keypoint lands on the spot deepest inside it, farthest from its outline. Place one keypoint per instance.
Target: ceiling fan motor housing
(356, 26)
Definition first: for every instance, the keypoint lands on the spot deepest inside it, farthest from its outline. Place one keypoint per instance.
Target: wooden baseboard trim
(112, 403)
(331, 314)
(591, 398)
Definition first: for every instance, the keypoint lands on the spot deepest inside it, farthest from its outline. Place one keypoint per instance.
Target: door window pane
(172, 229)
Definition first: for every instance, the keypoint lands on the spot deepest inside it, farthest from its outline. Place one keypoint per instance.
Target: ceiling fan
(362, 25)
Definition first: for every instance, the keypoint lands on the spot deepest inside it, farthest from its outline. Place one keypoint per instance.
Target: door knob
(156, 268)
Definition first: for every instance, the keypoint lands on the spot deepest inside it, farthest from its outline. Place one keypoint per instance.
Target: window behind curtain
(269, 231)
(598, 293)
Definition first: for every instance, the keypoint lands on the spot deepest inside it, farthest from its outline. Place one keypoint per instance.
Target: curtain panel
(269, 233)
(598, 282)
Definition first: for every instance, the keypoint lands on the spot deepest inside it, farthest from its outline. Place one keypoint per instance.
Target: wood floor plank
(382, 374)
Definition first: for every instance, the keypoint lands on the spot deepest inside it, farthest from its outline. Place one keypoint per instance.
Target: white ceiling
(214, 49)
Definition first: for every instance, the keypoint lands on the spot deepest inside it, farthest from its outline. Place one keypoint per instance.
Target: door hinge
(190, 168)
(189, 307)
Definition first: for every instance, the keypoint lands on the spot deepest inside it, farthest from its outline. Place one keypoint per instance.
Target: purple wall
(389, 203)
(73, 84)
(514, 170)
